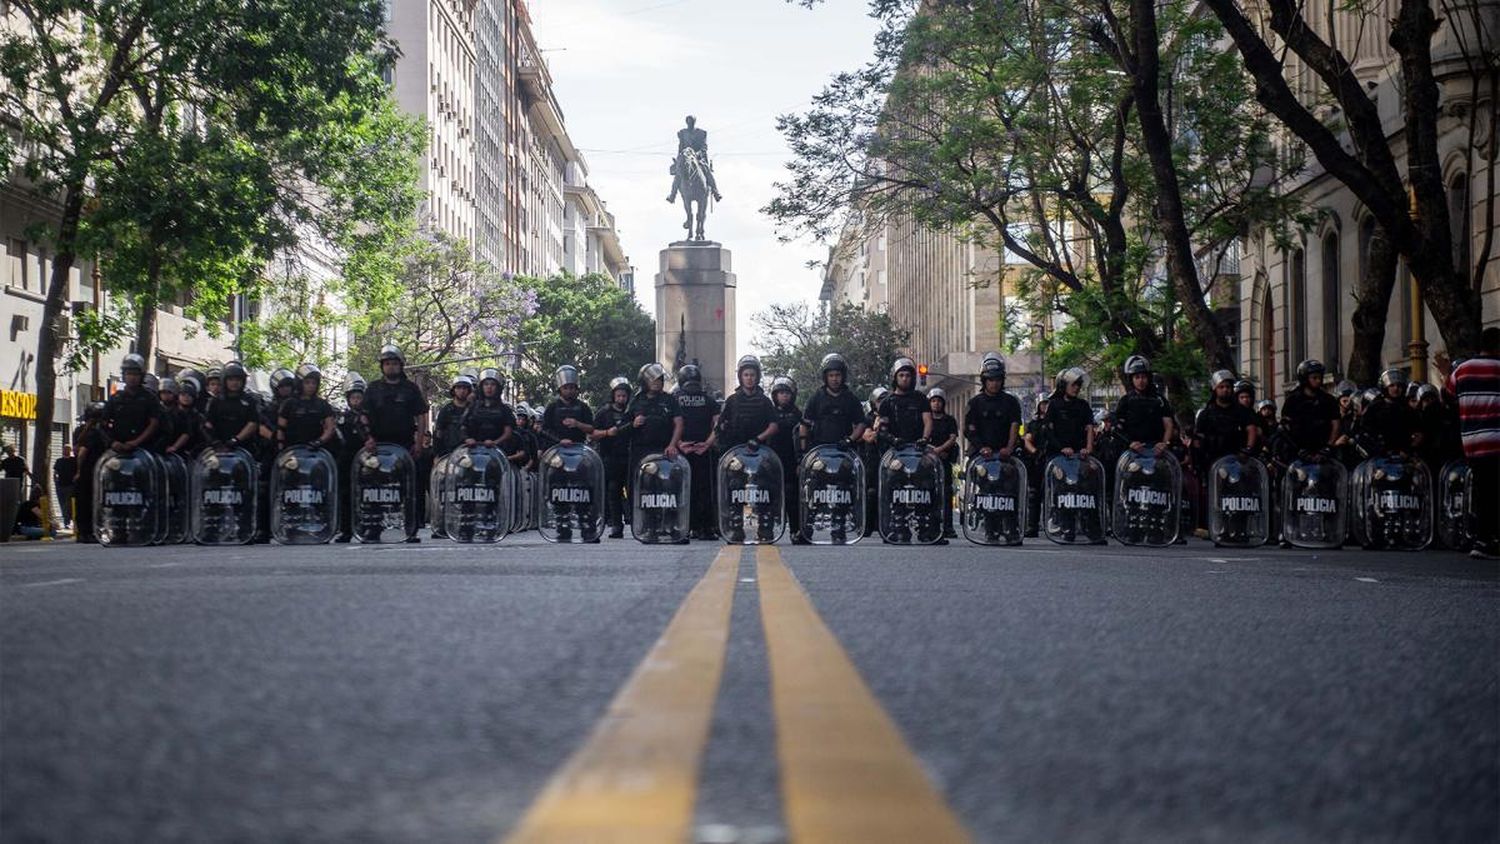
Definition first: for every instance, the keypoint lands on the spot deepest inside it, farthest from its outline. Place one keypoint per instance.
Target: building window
(1295, 308)
(1460, 223)
(16, 272)
(1333, 320)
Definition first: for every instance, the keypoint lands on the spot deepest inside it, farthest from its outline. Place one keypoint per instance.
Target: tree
(1410, 207)
(590, 322)
(98, 92)
(1015, 125)
(794, 338)
(452, 311)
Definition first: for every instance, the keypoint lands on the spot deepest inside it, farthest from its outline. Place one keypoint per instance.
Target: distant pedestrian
(1476, 382)
(64, 470)
(13, 466)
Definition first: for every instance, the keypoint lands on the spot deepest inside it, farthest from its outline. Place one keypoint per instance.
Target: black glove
(752, 444)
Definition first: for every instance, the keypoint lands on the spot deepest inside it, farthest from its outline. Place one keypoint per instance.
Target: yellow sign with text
(16, 405)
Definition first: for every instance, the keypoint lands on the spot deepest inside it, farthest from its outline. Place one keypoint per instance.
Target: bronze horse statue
(692, 184)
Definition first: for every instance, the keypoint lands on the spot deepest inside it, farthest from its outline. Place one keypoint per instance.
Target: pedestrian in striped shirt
(1477, 383)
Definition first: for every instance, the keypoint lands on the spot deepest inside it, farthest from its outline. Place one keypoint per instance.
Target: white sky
(626, 73)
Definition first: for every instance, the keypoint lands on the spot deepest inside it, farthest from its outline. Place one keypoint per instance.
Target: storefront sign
(16, 405)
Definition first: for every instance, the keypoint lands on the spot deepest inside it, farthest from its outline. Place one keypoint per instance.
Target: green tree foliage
(589, 322)
(184, 141)
(1017, 125)
(451, 311)
(794, 338)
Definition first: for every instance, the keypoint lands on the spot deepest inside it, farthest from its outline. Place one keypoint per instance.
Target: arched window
(1459, 221)
(1333, 316)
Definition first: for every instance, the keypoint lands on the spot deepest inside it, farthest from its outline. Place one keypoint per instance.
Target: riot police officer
(1309, 418)
(871, 447)
(903, 416)
(1223, 427)
(700, 417)
(748, 415)
(394, 408)
(307, 418)
(788, 445)
(1143, 414)
(186, 420)
(992, 420)
(834, 415)
(611, 428)
(352, 435)
(655, 418)
(132, 415)
(1035, 445)
(446, 435)
(91, 442)
(567, 419)
(488, 420)
(233, 416)
(945, 445)
(1070, 432)
(1390, 426)
(1244, 393)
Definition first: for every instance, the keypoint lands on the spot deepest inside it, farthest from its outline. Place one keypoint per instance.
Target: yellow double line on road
(846, 773)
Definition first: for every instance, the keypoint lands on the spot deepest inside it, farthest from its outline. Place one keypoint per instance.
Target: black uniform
(129, 412)
(553, 431)
(698, 412)
(228, 414)
(1068, 421)
(1222, 431)
(615, 451)
(832, 416)
(660, 413)
(901, 416)
(485, 420)
(301, 420)
(943, 427)
(93, 443)
(1307, 419)
(446, 432)
(352, 435)
(1388, 425)
(786, 444)
(744, 417)
(988, 420)
(1139, 417)
(390, 408)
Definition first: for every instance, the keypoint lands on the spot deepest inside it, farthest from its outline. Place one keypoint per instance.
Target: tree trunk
(1181, 267)
(1372, 302)
(48, 342)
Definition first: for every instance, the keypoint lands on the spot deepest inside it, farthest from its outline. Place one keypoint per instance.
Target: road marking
(163, 565)
(1366, 580)
(846, 772)
(62, 582)
(636, 777)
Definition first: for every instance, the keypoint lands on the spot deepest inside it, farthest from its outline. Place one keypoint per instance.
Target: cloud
(595, 38)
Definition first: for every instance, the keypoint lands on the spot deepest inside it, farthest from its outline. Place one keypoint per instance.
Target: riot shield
(129, 493)
(911, 495)
(476, 492)
(1392, 503)
(1148, 498)
(752, 509)
(572, 493)
(304, 496)
(994, 500)
(223, 489)
(832, 479)
(661, 500)
(1239, 502)
(436, 492)
(385, 496)
(177, 515)
(1314, 504)
(1073, 500)
(1455, 513)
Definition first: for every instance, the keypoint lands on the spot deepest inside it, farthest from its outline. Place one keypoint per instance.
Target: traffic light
(922, 374)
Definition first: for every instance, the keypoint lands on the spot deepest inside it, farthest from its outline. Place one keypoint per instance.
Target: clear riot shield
(304, 496)
(911, 495)
(531, 497)
(223, 489)
(994, 500)
(1073, 500)
(1239, 502)
(1148, 498)
(477, 494)
(177, 515)
(1455, 513)
(832, 480)
(385, 496)
(436, 490)
(1392, 503)
(752, 509)
(661, 503)
(1314, 504)
(129, 494)
(572, 494)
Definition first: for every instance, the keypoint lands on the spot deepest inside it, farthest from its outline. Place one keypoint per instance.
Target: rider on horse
(694, 139)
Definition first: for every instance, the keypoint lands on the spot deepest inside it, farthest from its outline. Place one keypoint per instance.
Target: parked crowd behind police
(194, 410)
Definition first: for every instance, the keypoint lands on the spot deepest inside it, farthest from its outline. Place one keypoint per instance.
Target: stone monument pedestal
(695, 311)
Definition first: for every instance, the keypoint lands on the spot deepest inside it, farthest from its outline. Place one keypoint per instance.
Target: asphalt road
(431, 692)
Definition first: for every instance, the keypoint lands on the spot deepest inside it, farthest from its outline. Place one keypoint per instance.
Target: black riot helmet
(690, 377)
(1308, 368)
